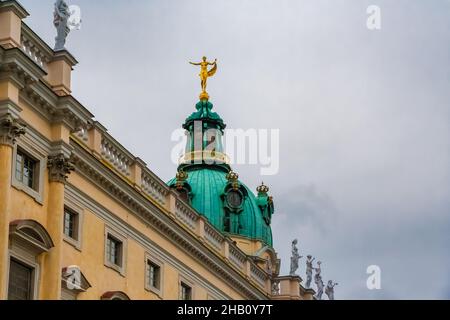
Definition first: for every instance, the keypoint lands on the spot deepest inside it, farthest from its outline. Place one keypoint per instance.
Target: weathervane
(205, 74)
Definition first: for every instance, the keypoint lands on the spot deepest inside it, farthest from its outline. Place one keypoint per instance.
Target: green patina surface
(204, 113)
(207, 186)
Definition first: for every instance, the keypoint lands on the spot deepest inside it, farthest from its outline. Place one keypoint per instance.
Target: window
(20, 281)
(185, 291)
(71, 224)
(26, 170)
(28, 167)
(153, 275)
(114, 250)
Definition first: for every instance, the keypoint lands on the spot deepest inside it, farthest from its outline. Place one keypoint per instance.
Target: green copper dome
(206, 181)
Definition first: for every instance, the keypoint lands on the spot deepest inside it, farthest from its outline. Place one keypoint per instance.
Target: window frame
(121, 269)
(29, 263)
(183, 280)
(76, 243)
(150, 258)
(37, 191)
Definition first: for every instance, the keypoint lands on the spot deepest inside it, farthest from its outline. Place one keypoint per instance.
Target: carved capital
(59, 167)
(10, 130)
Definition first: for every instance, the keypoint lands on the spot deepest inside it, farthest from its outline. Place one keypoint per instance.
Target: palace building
(83, 218)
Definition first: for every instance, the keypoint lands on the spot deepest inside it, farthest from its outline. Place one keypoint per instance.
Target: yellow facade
(79, 168)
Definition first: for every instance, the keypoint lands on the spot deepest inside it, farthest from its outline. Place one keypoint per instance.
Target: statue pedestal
(307, 293)
(204, 96)
(289, 288)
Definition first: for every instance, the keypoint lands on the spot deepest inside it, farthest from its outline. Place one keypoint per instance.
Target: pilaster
(10, 130)
(59, 167)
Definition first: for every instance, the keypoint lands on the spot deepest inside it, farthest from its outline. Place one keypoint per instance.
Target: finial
(205, 74)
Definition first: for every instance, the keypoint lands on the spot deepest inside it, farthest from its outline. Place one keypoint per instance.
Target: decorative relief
(59, 167)
(10, 130)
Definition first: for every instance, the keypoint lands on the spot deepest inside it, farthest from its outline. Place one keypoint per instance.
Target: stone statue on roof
(309, 270)
(294, 258)
(329, 290)
(60, 21)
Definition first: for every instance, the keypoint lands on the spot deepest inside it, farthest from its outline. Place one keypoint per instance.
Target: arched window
(115, 295)
(28, 239)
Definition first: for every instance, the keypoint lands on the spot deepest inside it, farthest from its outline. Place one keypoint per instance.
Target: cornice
(15, 62)
(56, 109)
(17, 67)
(72, 112)
(41, 98)
(89, 167)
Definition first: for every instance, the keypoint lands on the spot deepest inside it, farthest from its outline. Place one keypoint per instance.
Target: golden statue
(205, 74)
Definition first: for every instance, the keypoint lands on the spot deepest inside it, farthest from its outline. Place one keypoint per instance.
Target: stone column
(59, 167)
(10, 130)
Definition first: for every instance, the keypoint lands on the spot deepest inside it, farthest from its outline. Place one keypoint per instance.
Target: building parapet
(35, 47)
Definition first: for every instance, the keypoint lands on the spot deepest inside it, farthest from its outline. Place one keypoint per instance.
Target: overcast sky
(364, 116)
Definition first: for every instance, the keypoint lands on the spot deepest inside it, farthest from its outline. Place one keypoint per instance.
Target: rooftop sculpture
(205, 74)
(294, 258)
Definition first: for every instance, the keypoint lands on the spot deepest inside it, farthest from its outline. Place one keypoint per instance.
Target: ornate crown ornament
(181, 178)
(233, 177)
(262, 188)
